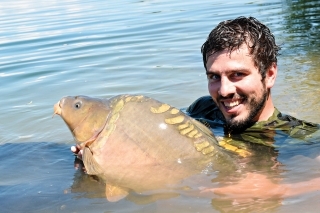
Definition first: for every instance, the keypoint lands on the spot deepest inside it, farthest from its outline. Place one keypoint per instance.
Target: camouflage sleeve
(206, 111)
(298, 128)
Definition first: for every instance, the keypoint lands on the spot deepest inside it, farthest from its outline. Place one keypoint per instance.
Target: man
(240, 59)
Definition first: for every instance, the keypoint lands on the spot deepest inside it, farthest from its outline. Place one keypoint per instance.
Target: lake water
(50, 49)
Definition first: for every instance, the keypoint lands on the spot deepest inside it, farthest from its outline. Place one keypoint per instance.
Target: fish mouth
(57, 109)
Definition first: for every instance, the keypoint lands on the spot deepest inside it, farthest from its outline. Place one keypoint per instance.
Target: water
(50, 49)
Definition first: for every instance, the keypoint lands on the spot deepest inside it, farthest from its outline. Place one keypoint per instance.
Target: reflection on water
(42, 179)
(50, 49)
(300, 55)
(303, 24)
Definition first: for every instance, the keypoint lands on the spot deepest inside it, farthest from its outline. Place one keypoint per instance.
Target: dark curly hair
(231, 34)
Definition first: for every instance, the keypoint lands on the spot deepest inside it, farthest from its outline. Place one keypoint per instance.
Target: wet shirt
(278, 131)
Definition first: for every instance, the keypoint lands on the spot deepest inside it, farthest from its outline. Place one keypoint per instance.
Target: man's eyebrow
(211, 72)
(229, 71)
(245, 70)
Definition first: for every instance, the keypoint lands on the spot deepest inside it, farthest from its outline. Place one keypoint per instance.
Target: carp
(137, 143)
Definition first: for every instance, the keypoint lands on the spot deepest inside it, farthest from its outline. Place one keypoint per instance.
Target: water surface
(50, 49)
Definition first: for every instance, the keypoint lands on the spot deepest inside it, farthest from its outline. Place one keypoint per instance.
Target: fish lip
(57, 109)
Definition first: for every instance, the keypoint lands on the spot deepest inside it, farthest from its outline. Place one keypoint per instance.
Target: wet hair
(231, 34)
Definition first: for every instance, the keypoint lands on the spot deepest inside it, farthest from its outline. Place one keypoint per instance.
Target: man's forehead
(243, 50)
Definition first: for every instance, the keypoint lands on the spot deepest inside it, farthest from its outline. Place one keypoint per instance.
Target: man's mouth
(231, 104)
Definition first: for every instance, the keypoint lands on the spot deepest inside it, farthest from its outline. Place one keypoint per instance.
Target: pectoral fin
(115, 193)
(92, 167)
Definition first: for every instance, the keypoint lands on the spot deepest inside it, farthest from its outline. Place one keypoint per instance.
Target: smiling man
(240, 58)
(238, 88)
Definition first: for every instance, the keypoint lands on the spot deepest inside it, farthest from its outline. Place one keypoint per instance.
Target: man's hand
(78, 161)
(77, 151)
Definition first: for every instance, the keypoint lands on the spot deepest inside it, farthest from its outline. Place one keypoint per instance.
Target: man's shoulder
(205, 110)
(288, 124)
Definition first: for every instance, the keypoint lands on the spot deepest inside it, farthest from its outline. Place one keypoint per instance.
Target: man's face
(236, 86)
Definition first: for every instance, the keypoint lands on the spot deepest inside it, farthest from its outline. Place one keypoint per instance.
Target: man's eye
(213, 77)
(238, 74)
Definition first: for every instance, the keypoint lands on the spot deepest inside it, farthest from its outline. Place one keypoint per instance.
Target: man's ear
(271, 75)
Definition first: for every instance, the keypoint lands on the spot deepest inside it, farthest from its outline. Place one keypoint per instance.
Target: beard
(255, 107)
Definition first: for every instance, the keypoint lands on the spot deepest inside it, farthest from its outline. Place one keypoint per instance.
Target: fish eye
(77, 105)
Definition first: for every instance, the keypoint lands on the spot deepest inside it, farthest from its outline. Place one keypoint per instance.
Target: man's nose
(227, 87)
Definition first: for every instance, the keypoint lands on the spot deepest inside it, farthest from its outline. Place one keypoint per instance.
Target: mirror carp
(134, 142)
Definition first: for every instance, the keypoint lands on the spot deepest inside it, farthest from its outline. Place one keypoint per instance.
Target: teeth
(231, 104)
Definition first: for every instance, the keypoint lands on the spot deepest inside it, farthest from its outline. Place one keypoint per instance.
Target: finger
(76, 166)
(74, 149)
(79, 154)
